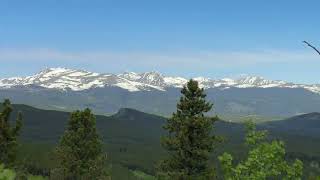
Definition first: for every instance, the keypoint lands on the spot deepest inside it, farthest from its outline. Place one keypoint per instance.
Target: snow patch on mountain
(78, 80)
(176, 82)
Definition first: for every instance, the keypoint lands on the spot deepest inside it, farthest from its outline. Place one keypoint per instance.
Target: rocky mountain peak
(78, 80)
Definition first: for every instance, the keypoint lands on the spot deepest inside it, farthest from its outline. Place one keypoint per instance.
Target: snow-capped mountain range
(79, 80)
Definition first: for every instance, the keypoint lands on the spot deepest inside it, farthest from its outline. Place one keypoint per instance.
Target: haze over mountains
(152, 92)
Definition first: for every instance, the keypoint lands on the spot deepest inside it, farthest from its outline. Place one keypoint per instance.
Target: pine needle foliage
(9, 134)
(80, 152)
(190, 139)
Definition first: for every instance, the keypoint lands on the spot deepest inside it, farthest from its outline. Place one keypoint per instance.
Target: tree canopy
(265, 160)
(190, 138)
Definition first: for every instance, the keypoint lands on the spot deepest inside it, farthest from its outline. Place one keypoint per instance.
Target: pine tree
(8, 135)
(80, 152)
(190, 139)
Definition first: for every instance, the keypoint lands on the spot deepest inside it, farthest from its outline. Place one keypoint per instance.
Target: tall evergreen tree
(80, 152)
(190, 139)
(8, 134)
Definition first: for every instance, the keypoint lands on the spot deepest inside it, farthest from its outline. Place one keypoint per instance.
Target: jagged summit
(78, 80)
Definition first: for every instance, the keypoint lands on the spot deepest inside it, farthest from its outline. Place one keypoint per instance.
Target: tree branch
(312, 47)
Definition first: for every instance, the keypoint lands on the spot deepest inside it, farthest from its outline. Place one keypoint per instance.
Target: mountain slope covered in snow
(79, 80)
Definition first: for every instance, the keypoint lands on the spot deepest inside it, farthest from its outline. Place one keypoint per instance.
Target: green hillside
(132, 139)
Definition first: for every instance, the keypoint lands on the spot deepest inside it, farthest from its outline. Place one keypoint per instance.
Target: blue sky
(186, 38)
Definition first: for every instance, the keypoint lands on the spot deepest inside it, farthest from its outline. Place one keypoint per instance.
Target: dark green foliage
(303, 125)
(140, 133)
(8, 134)
(189, 141)
(265, 160)
(80, 152)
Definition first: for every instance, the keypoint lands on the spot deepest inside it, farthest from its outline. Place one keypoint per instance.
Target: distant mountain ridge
(133, 126)
(151, 92)
(79, 80)
(49, 121)
(304, 125)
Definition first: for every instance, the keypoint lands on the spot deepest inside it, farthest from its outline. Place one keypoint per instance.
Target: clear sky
(212, 38)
